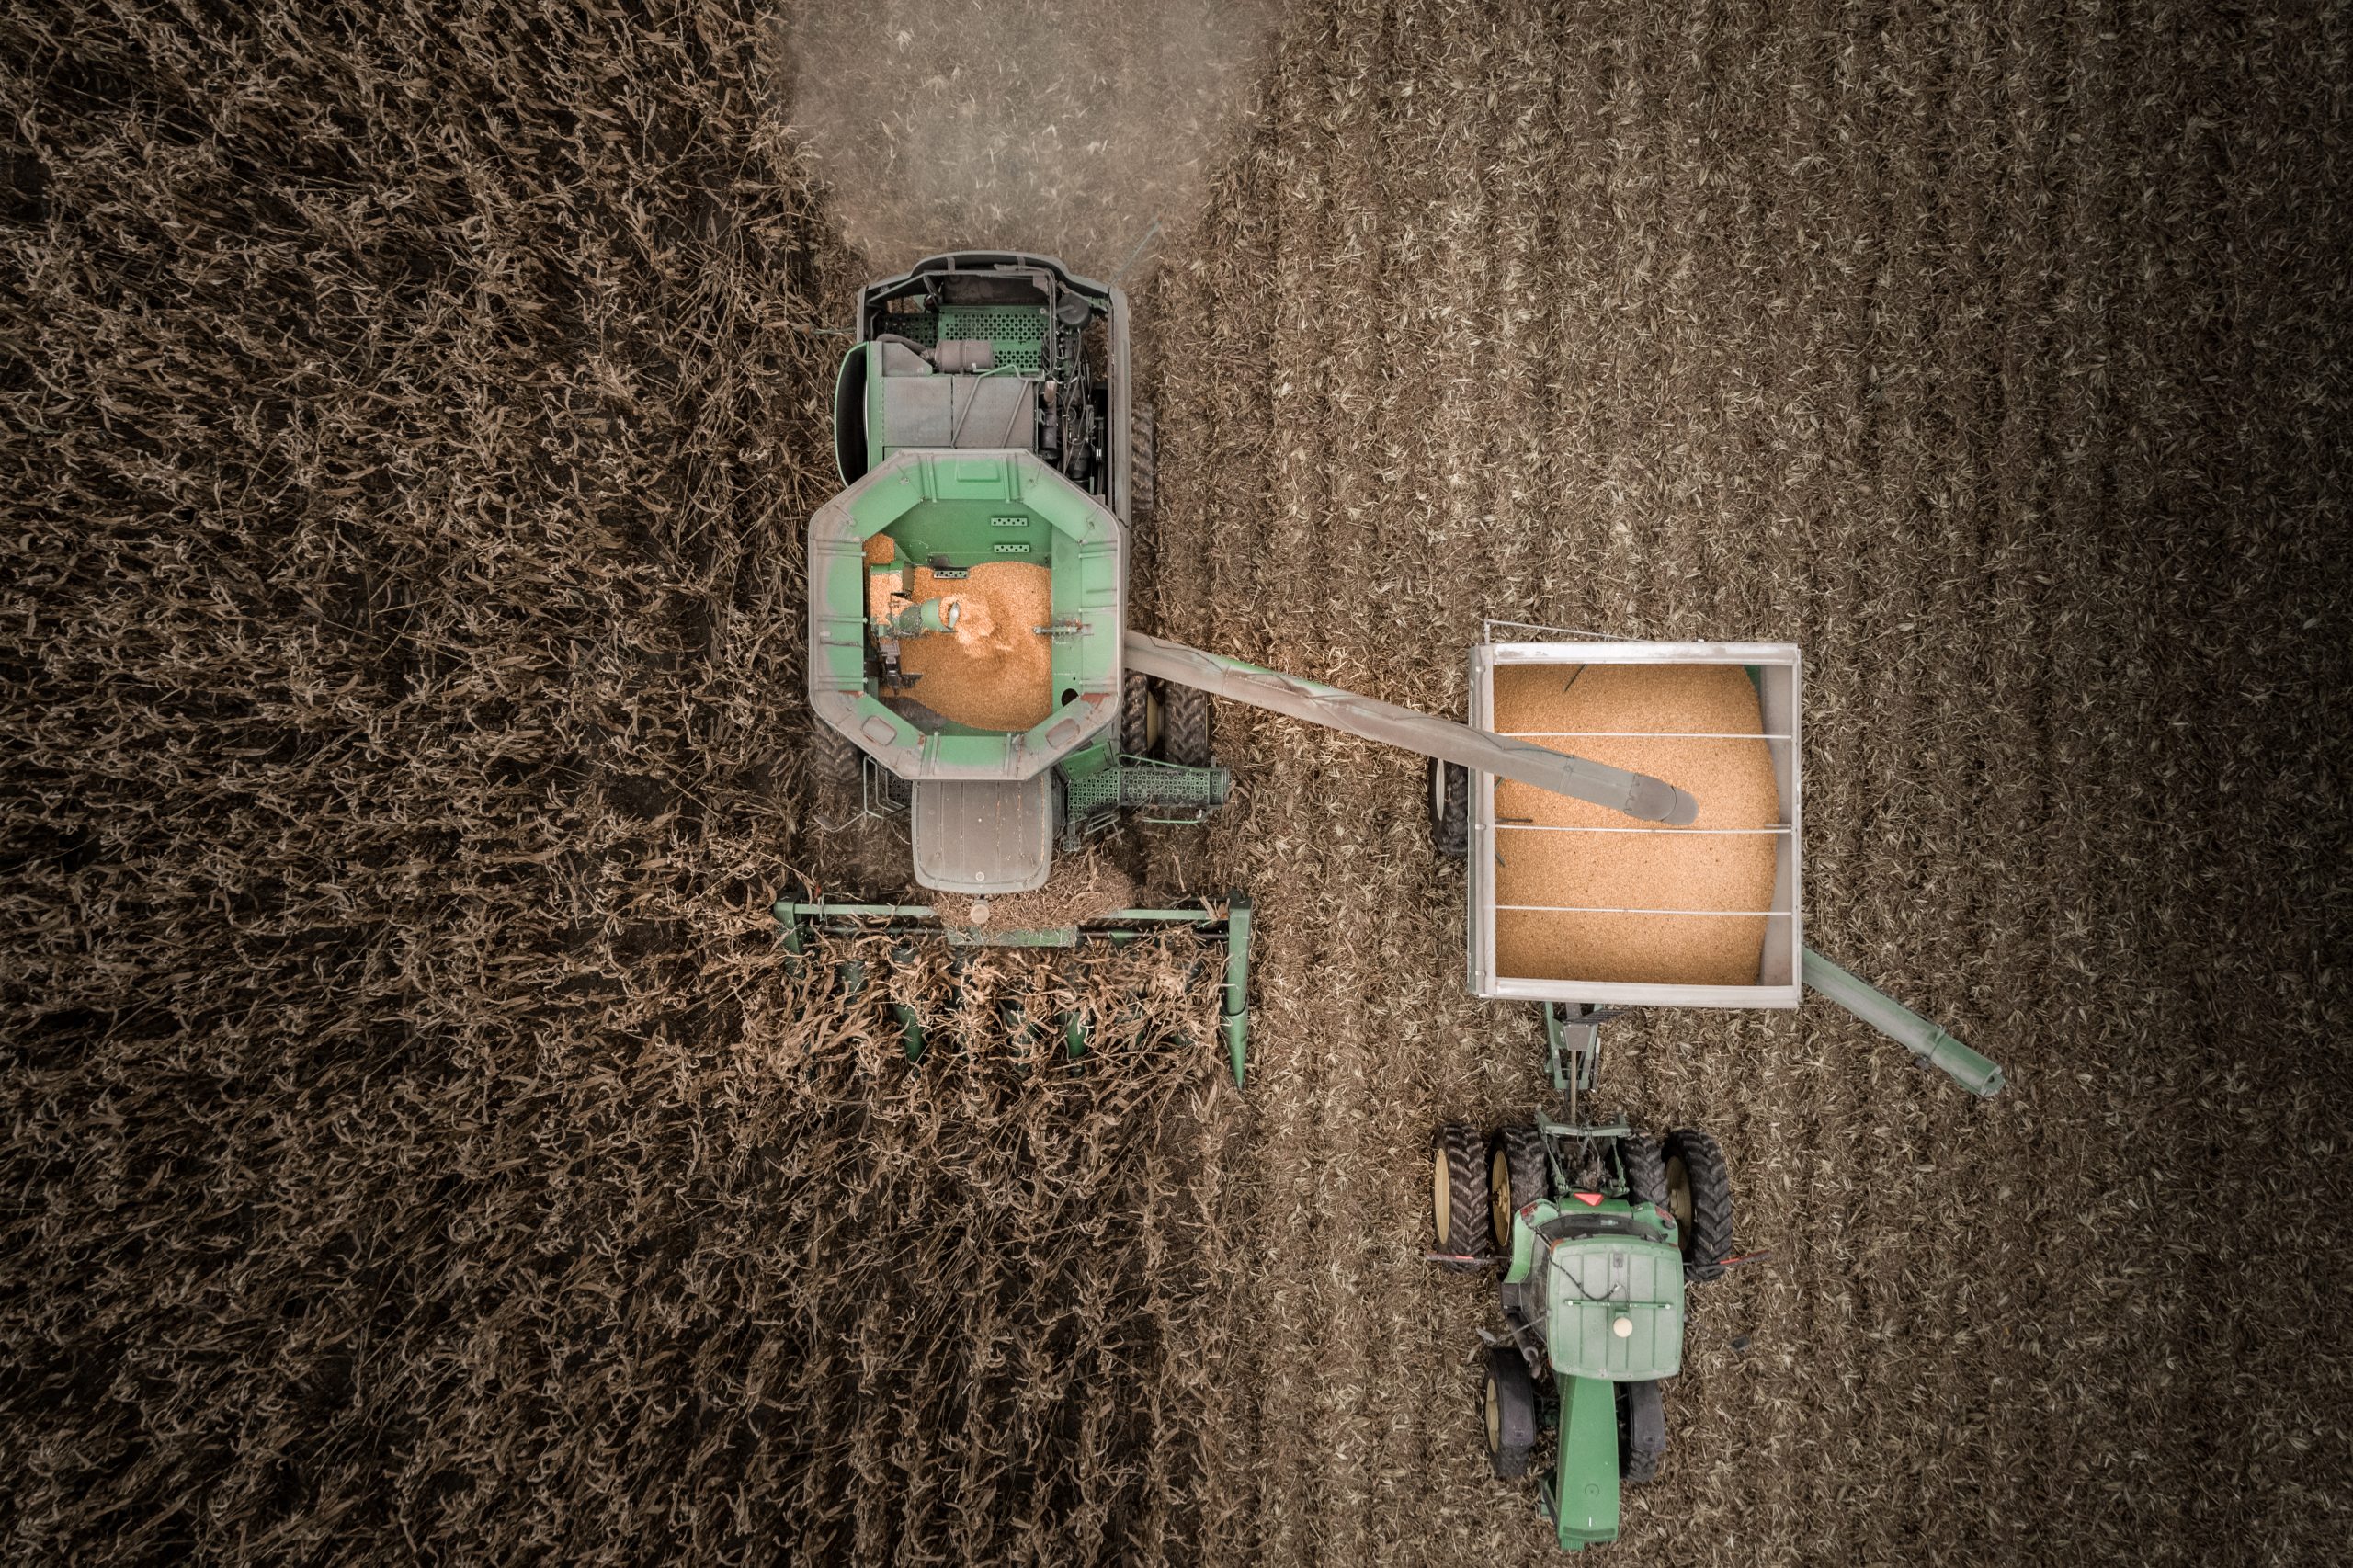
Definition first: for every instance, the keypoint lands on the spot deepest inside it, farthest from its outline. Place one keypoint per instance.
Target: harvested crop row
(1989, 357)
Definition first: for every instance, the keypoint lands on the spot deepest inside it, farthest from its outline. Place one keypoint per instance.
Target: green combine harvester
(982, 420)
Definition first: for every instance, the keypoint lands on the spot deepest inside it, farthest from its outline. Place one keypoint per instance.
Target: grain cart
(969, 658)
(1598, 1228)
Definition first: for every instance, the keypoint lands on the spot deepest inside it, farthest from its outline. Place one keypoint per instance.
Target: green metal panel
(1583, 1497)
(1237, 1020)
(1181, 794)
(1614, 1308)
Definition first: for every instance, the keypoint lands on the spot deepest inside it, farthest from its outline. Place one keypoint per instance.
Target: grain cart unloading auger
(967, 644)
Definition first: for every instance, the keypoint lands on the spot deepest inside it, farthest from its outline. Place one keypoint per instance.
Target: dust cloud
(1047, 126)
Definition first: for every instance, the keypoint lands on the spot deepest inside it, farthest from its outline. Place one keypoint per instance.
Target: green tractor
(1599, 1230)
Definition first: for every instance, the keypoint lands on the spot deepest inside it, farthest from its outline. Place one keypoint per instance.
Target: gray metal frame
(1780, 981)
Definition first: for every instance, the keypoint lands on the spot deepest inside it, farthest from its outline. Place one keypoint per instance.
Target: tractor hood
(1616, 1307)
(1613, 1289)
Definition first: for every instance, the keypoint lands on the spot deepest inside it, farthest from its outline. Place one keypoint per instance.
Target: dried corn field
(418, 1146)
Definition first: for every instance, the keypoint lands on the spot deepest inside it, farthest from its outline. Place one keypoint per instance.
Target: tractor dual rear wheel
(1459, 1200)
(1517, 1174)
(1698, 1193)
(1509, 1399)
(1646, 1169)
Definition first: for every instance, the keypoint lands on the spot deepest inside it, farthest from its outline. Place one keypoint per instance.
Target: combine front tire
(1699, 1192)
(838, 760)
(1459, 1197)
(1511, 1412)
(1184, 719)
(1517, 1174)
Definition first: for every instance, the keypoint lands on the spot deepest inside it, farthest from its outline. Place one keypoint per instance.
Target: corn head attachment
(1211, 942)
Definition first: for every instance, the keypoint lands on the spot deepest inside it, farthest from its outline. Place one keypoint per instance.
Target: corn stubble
(413, 1136)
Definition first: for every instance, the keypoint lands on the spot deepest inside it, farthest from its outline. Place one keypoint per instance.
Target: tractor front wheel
(1642, 1431)
(1517, 1174)
(1699, 1193)
(1458, 1196)
(1510, 1400)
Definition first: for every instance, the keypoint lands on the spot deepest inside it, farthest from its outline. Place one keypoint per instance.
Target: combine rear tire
(1138, 716)
(1510, 1401)
(1642, 1431)
(1699, 1192)
(1449, 808)
(1459, 1200)
(1185, 726)
(1517, 1174)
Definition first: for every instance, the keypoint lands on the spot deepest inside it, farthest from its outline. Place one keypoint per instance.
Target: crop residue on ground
(410, 420)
